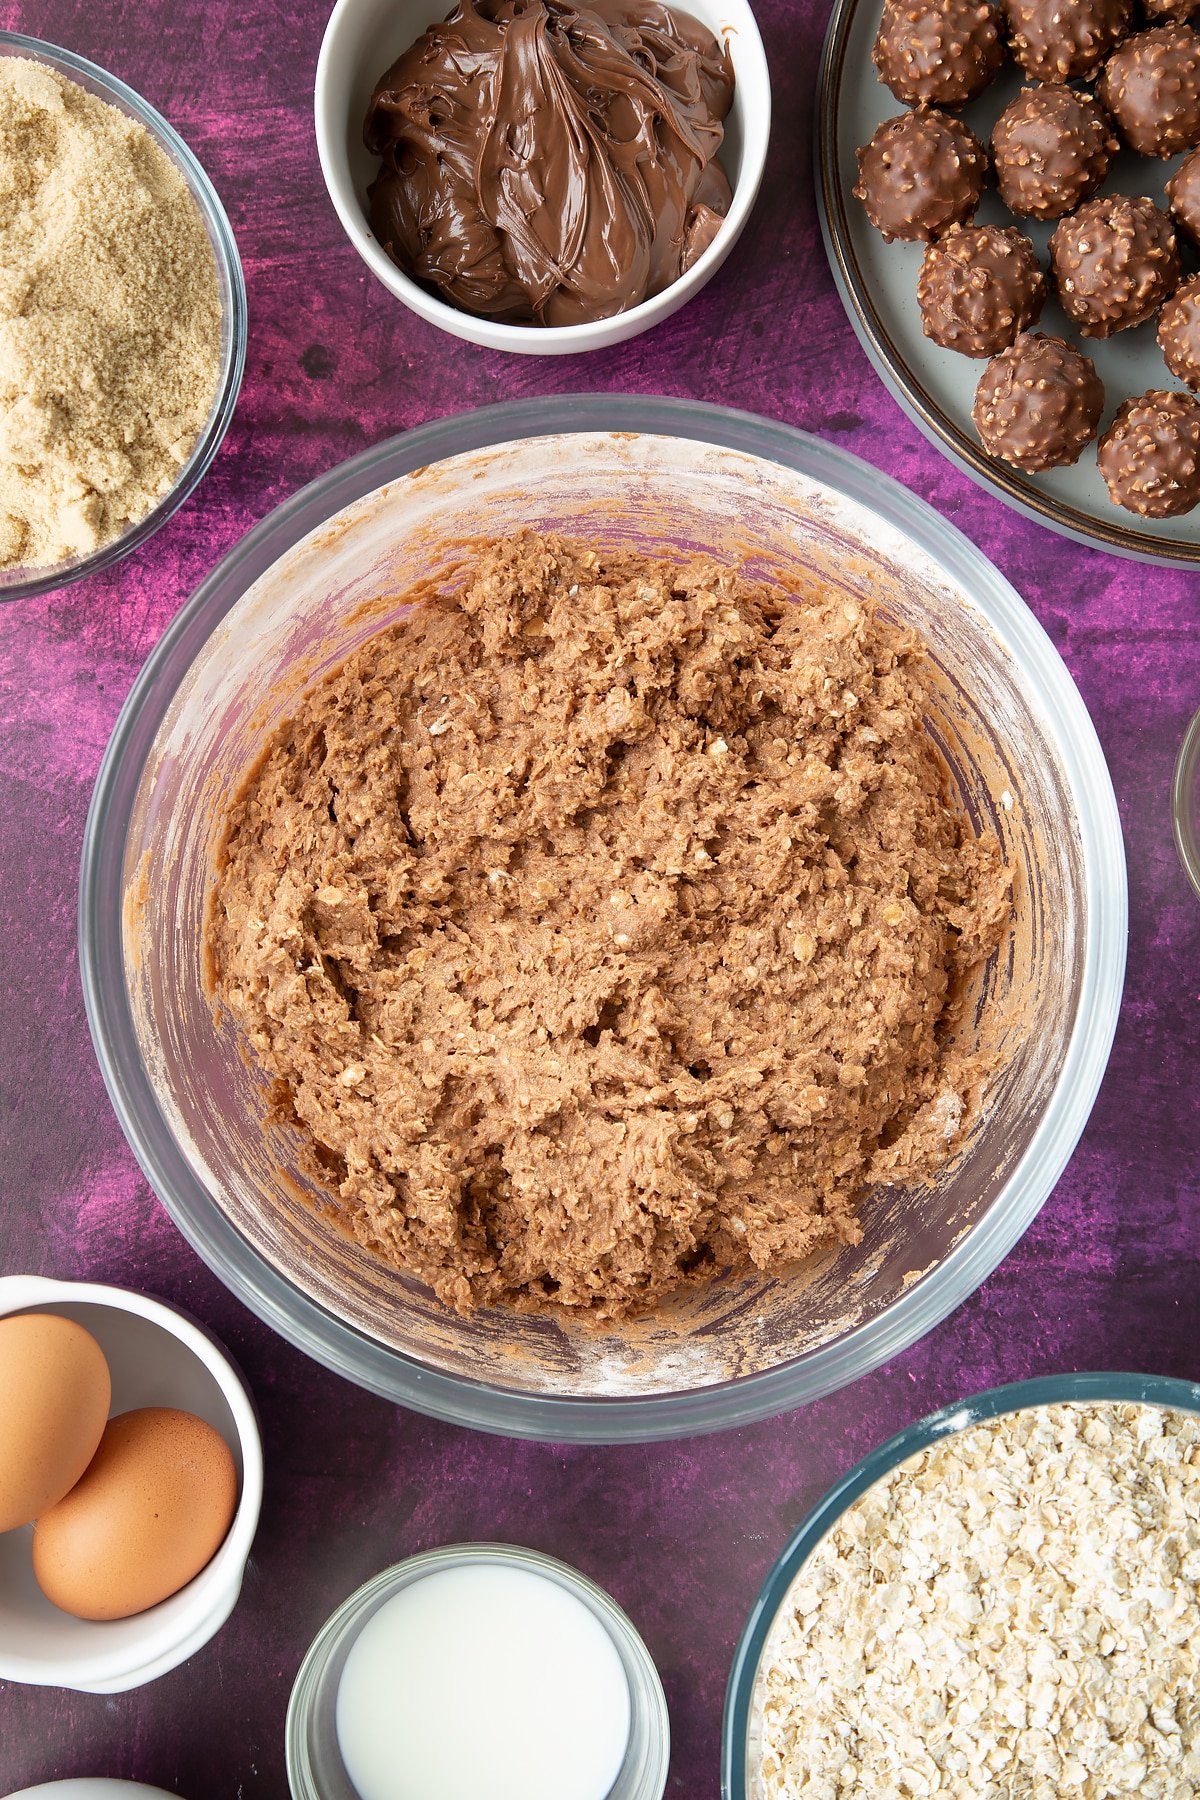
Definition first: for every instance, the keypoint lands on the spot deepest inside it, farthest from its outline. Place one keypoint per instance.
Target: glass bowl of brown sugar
(123, 398)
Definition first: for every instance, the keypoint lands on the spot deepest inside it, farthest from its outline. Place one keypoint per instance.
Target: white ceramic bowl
(157, 1357)
(364, 37)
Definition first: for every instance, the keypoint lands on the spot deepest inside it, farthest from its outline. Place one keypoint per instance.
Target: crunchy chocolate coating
(1179, 333)
(1151, 86)
(1150, 454)
(1051, 148)
(1183, 193)
(943, 52)
(1114, 262)
(1179, 10)
(978, 287)
(1038, 403)
(547, 162)
(921, 173)
(1065, 40)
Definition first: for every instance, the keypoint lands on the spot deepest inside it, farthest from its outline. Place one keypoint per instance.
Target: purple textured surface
(681, 1534)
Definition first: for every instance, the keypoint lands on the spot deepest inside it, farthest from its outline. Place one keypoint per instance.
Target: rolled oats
(1012, 1613)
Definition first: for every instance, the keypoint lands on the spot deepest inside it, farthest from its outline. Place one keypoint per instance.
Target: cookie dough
(603, 926)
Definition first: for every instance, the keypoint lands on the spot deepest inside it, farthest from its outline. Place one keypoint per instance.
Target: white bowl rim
(545, 340)
(178, 1634)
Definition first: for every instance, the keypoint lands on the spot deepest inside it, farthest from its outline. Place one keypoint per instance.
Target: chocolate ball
(1183, 193)
(1114, 263)
(1179, 10)
(1051, 148)
(1038, 403)
(978, 287)
(1064, 40)
(1150, 454)
(1151, 86)
(1179, 333)
(920, 173)
(940, 51)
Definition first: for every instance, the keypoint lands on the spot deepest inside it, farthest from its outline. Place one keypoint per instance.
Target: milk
(483, 1682)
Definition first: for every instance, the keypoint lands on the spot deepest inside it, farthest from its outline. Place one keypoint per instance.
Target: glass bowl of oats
(122, 319)
(1002, 1599)
(322, 591)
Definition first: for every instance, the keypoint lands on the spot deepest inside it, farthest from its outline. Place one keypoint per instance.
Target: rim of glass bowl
(1185, 802)
(596, 1418)
(230, 280)
(643, 1775)
(1044, 1390)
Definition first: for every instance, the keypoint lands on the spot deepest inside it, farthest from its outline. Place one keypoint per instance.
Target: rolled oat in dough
(602, 925)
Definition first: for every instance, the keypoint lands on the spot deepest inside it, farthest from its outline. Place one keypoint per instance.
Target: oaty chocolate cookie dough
(602, 924)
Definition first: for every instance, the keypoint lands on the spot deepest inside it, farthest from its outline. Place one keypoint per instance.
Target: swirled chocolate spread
(548, 163)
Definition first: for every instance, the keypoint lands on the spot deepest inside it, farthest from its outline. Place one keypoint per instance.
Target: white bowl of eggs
(130, 1485)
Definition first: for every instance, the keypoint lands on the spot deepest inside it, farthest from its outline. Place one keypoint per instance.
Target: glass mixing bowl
(740, 1750)
(332, 566)
(1185, 802)
(18, 584)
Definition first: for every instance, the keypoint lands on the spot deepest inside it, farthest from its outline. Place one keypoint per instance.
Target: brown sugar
(110, 319)
(603, 924)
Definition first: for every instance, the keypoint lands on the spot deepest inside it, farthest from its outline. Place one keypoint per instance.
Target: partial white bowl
(91, 1787)
(157, 1357)
(364, 37)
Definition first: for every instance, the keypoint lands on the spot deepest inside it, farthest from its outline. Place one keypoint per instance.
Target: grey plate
(936, 387)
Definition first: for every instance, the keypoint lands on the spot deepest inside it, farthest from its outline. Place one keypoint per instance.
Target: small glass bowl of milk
(478, 1672)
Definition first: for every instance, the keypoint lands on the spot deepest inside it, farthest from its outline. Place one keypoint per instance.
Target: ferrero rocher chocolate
(1183, 194)
(1065, 40)
(1051, 148)
(1179, 333)
(978, 287)
(1038, 403)
(921, 173)
(1114, 263)
(943, 52)
(1150, 454)
(1151, 86)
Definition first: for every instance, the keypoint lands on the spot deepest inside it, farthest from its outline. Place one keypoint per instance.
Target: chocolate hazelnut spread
(549, 163)
(605, 924)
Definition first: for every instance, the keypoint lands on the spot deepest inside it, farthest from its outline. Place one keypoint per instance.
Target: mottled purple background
(681, 1534)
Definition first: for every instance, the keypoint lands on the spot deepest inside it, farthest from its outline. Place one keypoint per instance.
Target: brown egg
(153, 1508)
(55, 1390)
